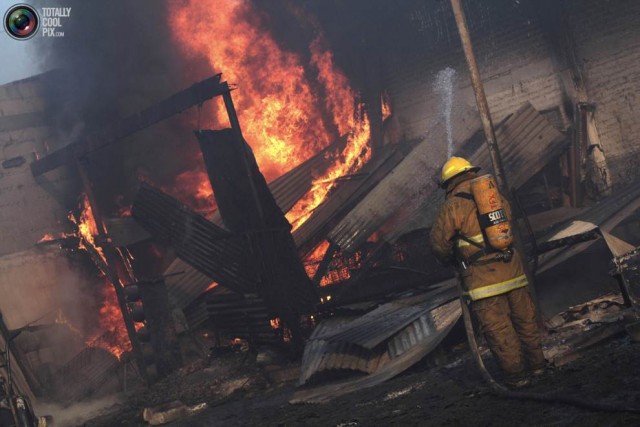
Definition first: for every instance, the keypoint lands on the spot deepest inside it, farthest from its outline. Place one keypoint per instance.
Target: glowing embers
(312, 261)
(341, 268)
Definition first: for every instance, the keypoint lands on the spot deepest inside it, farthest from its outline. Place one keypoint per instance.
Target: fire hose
(502, 391)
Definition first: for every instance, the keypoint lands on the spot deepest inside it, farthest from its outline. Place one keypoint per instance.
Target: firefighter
(493, 280)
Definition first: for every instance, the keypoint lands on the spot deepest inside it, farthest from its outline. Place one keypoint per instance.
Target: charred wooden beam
(114, 268)
(567, 241)
(324, 264)
(194, 95)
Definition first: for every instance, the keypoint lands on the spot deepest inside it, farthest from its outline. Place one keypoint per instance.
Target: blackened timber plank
(194, 95)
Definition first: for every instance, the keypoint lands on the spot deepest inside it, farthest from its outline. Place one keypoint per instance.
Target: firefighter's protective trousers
(497, 289)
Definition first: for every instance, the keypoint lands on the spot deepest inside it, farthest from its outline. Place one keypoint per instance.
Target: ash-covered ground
(445, 389)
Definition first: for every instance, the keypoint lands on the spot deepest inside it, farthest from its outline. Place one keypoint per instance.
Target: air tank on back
(491, 213)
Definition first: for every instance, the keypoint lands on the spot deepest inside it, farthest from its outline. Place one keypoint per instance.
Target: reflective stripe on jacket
(478, 238)
(458, 216)
(497, 288)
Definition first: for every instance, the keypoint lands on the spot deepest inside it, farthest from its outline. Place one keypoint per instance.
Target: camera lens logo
(21, 22)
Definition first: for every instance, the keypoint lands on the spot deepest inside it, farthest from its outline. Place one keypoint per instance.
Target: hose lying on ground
(502, 391)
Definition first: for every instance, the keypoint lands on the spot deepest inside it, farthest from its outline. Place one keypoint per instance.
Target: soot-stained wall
(607, 40)
(29, 209)
(518, 58)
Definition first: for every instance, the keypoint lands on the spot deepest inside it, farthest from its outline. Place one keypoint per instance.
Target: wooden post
(573, 173)
(487, 125)
(114, 268)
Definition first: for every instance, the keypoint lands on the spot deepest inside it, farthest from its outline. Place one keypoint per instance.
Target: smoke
(115, 59)
(79, 413)
(443, 86)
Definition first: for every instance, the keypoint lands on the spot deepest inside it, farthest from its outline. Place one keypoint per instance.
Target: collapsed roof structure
(364, 246)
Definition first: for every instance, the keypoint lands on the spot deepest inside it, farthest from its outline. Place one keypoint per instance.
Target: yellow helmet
(454, 167)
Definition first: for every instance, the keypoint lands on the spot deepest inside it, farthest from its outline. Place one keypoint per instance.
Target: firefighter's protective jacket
(458, 216)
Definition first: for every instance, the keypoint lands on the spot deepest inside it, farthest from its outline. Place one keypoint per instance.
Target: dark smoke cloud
(117, 58)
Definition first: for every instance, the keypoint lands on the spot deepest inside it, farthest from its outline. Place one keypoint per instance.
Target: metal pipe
(481, 99)
(487, 124)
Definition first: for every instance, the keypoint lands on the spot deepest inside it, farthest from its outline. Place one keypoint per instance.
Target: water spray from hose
(443, 86)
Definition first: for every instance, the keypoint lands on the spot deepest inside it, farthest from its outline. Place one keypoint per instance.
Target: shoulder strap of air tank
(468, 240)
(483, 249)
(464, 195)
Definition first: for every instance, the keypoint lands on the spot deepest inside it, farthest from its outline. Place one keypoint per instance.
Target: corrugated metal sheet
(401, 351)
(125, 231)
(251, 213)
(84, 374)
(186, 287)
(286, 190)
(424, 327)
(527, 143)
(378, 325)
(356, 344)
(406, 185)
(243, 316)
(416, 332)
(196, 313)
(205, 246)
(340, 202)
(604, 217)
(290, 187)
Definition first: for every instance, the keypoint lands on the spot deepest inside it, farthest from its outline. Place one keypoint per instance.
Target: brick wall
(28, 209)
(515, 58)
(512, 53)
(607, 36)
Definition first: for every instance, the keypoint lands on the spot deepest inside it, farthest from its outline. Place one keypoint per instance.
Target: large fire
(87, 227)
(112, 333)
(280, 98)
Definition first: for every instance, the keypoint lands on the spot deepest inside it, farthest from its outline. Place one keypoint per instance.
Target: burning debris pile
(298, 217)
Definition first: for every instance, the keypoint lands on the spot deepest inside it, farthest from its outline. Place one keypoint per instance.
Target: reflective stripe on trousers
(497, 288)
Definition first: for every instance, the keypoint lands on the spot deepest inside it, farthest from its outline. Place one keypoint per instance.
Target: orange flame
(87, 227)
(61, 319)
(112, 334)
(354, 156)
(386, 106)
(46, 238)
(312, 261)
(275, 323)
(196, 183)
(279, 105)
